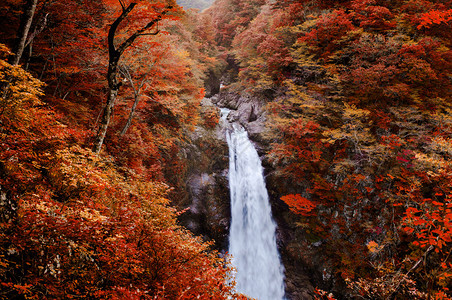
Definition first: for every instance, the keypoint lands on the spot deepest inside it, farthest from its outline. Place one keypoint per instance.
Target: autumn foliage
(74, 224)
(358, 95)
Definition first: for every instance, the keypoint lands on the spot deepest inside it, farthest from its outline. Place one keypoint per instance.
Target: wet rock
(207, 185)
(229, 100)
(208, 213)
(246, 110)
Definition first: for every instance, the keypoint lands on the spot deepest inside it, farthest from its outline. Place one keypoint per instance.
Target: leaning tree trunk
(136, 96)
(132, 111)
(22, 33)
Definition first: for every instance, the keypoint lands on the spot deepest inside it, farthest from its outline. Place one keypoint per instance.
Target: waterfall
(252, 241)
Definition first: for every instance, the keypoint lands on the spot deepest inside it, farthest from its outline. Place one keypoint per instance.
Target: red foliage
(329, 30)
(435, 17)
(371, 16)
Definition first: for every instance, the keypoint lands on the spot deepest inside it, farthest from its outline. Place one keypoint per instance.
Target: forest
(100, 101)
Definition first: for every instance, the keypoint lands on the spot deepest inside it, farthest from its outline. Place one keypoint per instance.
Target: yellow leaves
(356, 129)
(298, 104)
(307, 25)
(20, 92)
(302, 57)
(352, 35)
(435, 159)
(183, 54)
(441, 144)
(299, 95)
(4, 52)
(432, 162)
(75, 170)
(78, 174)
(344, 166)
(352, 112)
(43, 206)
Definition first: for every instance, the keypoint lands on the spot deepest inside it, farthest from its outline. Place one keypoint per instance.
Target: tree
(158, 12)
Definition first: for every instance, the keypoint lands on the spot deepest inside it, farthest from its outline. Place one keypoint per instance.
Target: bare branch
(414, 267)
(143, 30)
(24, 28)
(122, 5)
(150, 33)
(114, 27)
(39, 28)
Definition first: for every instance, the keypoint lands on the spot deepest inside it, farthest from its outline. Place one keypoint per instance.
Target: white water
(252, 241)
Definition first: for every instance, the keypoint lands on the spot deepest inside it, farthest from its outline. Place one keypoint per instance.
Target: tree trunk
(132, 111)
(113, 88)
(22, 33)
(136, 95)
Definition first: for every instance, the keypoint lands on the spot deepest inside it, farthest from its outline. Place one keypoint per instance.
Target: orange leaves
(431, 224)
(435, 17)
(299, 204)
(76, 172)
(323, 295)
(410, 211)
(81, 248)
(20, 93)
(374, 247)
(375, 162)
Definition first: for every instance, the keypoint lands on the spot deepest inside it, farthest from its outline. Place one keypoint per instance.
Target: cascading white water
(252, 241)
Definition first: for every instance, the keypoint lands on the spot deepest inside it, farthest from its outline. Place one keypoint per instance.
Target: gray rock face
(212, 84)
(208, 205)
(208, 214)
(246, 110)
(207, 181)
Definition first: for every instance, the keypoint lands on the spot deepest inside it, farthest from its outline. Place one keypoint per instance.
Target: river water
(252, 240)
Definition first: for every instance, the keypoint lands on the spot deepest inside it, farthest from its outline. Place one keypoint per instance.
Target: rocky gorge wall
(207, 187)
